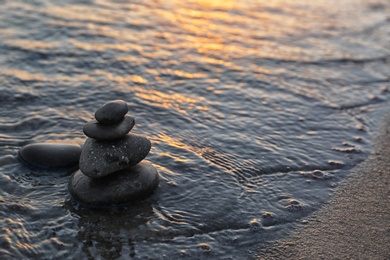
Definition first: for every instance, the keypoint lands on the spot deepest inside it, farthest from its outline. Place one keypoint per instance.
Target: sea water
(256, 111)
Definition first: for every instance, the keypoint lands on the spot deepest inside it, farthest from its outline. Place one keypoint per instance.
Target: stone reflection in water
(111, 232)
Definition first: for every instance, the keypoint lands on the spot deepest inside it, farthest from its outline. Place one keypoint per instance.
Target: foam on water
(255, 109)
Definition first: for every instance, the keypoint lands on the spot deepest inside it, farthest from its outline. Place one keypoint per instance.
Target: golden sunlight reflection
(116, 78)
(23, 75)
(179, 102)
(32, 44)
(82, 13)
(216, 4)
(183, 74)
(7, 230)
(24, 245)
(88, 46)
(166, 216)
(176, 158)
(221, 27)
(172, 142)
(166, 172)
(27, 76)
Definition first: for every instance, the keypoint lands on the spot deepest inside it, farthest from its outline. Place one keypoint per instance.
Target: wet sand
(355, 224)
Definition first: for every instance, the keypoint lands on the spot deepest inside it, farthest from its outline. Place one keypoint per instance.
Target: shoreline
(355, 223)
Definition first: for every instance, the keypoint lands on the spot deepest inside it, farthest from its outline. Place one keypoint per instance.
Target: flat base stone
(124, 186)
(51, 155)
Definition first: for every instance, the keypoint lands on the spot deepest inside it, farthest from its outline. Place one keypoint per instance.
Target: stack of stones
(111, 166)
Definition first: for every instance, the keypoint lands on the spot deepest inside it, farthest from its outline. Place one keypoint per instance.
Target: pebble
(205, 247)
(99, 159)
(51, 155)
(127, 185)
(104, 132)
(111, 112)
(255, 225)
(268, 219)
(317, 174)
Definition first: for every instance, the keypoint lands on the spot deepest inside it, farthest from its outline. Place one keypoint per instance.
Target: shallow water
(255, 109)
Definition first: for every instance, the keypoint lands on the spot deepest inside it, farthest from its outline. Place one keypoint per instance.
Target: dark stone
(96, 130)
(99, 159)
(111, 112)
(127, 185)
(51, 155)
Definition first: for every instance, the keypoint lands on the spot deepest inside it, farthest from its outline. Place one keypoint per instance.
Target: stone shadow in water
(110, 232)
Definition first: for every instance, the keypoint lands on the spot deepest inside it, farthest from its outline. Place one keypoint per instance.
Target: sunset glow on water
(256, 111)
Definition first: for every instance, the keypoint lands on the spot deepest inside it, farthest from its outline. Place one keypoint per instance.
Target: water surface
(255, 109)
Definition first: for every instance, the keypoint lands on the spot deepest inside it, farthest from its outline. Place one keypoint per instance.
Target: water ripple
(255, 111)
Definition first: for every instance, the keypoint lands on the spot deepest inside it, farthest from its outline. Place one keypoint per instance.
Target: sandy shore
(355, 224)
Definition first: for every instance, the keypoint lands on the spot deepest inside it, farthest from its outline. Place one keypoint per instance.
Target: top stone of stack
(111, 112)
(110, 123)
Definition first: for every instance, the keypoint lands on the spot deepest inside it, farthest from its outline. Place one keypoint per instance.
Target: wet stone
(294, 206)
(96, 130)
(255, 225)
(51, 155)
(268, 219)
(128, 185)
(205, 247)
(317, 174)
(111, 112)
(99, 159)
(336, 163)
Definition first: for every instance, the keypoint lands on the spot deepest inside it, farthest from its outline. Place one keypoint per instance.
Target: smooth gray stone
(51, 155)
(111, 112)
(99, 159)
(98, 131)
(128, 185)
